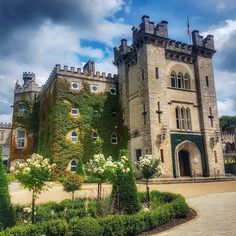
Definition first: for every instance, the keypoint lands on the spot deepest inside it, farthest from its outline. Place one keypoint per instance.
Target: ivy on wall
(196, 139)
(56, 122)
(28, 122)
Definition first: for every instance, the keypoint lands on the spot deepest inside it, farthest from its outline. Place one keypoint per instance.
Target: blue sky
(36, 35)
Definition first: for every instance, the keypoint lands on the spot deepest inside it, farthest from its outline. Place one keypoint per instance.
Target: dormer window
(113, 91)
(74, 111)
(22, 109)
(94, 88)
(75, 85)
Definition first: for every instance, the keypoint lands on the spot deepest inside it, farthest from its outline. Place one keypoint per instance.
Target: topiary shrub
(6, 210)
(72, 183)
(124, 190)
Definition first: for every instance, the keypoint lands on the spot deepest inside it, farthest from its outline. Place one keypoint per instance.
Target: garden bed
(61, 219)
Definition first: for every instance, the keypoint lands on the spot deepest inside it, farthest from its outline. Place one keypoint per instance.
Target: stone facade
(167, 95)
(5, 141)
(151, 100)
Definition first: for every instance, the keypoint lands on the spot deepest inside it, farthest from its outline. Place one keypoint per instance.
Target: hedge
(117, 225)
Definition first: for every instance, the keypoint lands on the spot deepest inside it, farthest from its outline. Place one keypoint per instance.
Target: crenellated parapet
(148, 32)
(87, 72)
(29, 84)
(5, 125)
(148, 27)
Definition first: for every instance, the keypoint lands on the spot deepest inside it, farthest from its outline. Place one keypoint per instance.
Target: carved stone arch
(186, 68)
(194, 155)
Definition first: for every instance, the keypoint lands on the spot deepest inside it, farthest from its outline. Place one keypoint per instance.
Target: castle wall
(207, 100)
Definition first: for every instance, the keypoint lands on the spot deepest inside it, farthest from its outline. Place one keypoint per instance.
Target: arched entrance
(184, 164)
(188, 159)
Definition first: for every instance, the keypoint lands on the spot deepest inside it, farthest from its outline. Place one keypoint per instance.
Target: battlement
(88, 72)
(5, 125)
(29, 84)
(179, 47)
(200, 41)
(147, 26)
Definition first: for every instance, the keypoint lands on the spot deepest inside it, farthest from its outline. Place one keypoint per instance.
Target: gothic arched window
(180, 80)
(95, 137)
(188, 119)
(73, 165)
(177, 113)
(114, 139)
(183, 118)
(74, 137)
(187, 84)
(173, 79)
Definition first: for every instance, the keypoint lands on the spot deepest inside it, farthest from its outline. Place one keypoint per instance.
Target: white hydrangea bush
(148, 166)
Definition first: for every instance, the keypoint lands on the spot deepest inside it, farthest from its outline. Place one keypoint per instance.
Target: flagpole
(188, 31)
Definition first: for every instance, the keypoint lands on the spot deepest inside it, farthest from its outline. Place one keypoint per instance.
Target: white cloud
(222, 32)
(226, 107)
(37, 48)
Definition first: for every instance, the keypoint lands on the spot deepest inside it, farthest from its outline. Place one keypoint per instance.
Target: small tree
(32, 175)
(72, 183)
(149, 168)
(124, 190)
(6, 210)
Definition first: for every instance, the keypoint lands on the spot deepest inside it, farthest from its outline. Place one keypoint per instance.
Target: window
(74, 111)
(74, 137)
(157, 73)
(21, 138)
(207, 81)
(180, 80)
(187, 82)
(114, 139)
(162, 155)
(1, 135)
(113, 91)
(173, 79)
(22, 109)
(177, 113)
(182, 118)
(95, 112)
(73, 165)
(138, 154)
(188, 119)
(74, 85)
(143, 75)
(94, 88)
(95, 137)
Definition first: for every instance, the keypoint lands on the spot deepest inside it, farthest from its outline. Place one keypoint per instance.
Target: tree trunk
(148, 196)
(99, 197)
(33, 208)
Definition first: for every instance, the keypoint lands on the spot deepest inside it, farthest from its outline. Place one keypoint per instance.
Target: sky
(35, 35)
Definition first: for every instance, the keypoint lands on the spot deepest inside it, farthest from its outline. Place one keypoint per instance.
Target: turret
(28, 76)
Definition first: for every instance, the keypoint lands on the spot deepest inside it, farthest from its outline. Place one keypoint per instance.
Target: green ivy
(55, 122)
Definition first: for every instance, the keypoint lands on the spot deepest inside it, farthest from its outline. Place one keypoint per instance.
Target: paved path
(216, 217)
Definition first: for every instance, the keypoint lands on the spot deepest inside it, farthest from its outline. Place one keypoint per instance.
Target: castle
(162, 102)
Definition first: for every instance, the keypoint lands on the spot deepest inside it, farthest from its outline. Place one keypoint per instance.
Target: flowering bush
(149, 168)
(33, 174)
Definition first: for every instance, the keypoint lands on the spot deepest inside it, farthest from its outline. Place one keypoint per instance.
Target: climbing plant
(56, 123)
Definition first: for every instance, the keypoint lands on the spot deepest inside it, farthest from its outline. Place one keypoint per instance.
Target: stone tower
(24, 119)
(169, 101)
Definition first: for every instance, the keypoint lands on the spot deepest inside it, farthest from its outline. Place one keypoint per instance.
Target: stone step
(188, 180)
